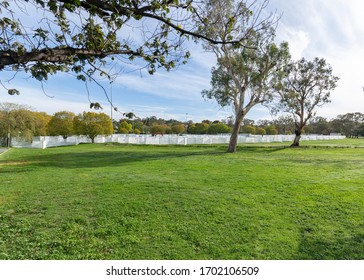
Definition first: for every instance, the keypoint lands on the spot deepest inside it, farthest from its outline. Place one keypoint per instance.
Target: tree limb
(58, 55)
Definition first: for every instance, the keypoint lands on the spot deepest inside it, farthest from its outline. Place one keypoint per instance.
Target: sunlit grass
(174, 202)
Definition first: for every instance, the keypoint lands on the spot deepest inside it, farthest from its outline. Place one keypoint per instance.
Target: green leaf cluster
(92, 124)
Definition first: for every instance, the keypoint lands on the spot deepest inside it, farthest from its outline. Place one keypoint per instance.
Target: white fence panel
(152, 140)
(53, 141)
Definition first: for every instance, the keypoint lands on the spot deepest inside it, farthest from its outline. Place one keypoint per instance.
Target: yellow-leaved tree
(61, 123)
(92, 124)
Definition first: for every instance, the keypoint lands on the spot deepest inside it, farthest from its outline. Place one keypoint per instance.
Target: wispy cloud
(333, 30)
(298, 41)
(36, 98)
(180, 85)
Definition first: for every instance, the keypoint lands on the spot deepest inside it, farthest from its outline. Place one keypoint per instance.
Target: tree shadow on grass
(345, 248)
(261, 149)
(95, 158)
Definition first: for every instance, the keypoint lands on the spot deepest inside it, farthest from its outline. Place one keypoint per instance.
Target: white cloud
(298, 40)
(333, 30)
(349, 95)
(35, 98)
(180, 84)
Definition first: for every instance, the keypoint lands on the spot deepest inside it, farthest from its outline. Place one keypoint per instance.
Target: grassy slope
(148, 202)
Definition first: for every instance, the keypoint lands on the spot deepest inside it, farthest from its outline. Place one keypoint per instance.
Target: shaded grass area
(172, 202)
(342, 143)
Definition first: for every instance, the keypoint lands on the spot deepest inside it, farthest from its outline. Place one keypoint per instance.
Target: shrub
(271, 130)
(123, 130)
(178, 128)
(260, 131)
(248, 129)
(158, 129)
(125, 127)
(217, 128)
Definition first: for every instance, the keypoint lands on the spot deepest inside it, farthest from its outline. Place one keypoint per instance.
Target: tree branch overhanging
(61, 40)
(60, 55)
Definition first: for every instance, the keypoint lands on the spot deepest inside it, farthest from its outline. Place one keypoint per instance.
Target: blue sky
(332, 29)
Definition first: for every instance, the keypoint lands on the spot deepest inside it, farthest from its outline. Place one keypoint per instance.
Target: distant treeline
(350, 125)
(23, 122)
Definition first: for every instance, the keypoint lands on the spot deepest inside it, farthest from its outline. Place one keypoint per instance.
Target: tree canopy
(20, 122)
(61, 123)
(92, 124)
(89, 38)
(305, 86)
(245, 72)
(125, 127)
(244, 75)
(348, 124)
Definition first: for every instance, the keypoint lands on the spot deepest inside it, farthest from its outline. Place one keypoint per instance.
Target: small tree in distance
(248, 129)
(158, 129)
(92, 124)
(361, 130)
(16, 121)
(61, 123)
(201, 128)
(348, 124)
(178, 128)
(271, 130)
(217, 128)
(125, 127)
(304, 86)
(260, 131)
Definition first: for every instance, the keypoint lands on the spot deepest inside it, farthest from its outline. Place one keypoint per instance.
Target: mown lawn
(173, 202)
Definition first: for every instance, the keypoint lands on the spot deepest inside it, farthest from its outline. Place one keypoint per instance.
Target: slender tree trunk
(8, 141)
(296, 141)
(234, 134)
(233, 140)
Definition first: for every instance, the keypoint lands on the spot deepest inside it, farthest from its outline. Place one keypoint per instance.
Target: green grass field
(182, 202)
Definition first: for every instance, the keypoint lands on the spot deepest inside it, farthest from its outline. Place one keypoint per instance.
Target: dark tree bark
(235, 133)
(233, 139)
(296, 141)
